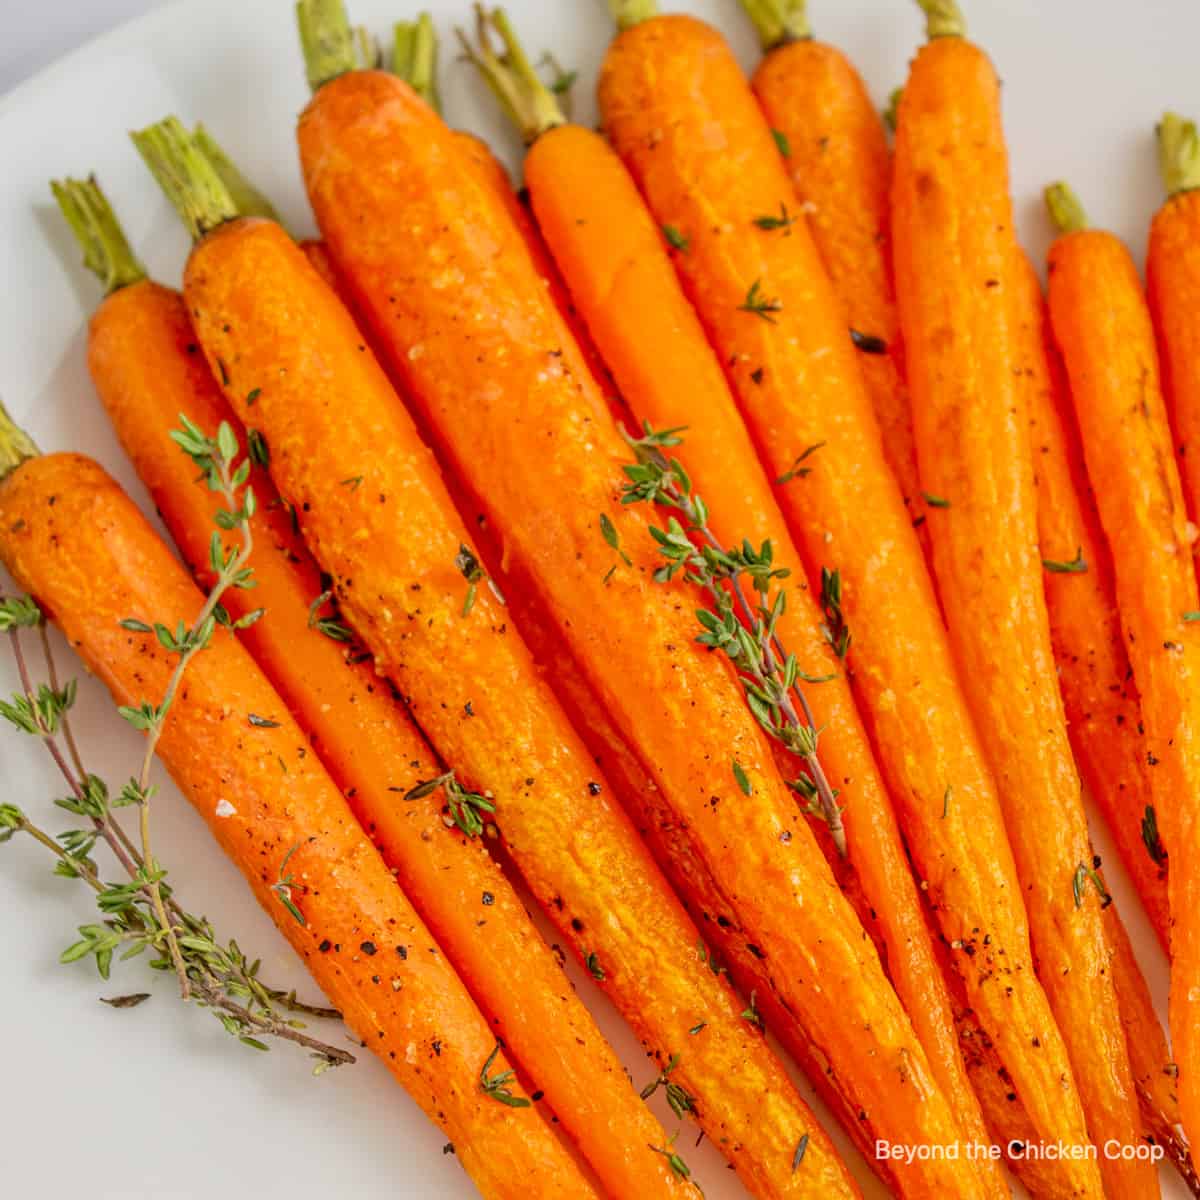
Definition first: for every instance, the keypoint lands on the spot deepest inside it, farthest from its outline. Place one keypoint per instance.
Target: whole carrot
(72, 538)
(408, 582)
(1172, 282)
(146, 365)
(1103, 328)
(835, 150)
(957, 280)
(1103, 715)
(669, 88)
(513, 366)
(615, 262)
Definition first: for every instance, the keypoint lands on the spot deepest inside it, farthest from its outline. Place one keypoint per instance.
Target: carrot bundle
(957, 279)
(72, 538)
(399, 560)
(1103, 328)
(615, 262)
(146, 365)
(452, 251)
(679, 113)
(835, 151)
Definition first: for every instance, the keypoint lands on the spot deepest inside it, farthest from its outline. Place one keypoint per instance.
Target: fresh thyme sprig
(141, 912)
(746, 631)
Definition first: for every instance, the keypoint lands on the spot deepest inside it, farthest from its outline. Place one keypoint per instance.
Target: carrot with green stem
(409, 583)
(615, 262)
(144, 361)
(1172, 284)
(1103, 328)
(836, 152)
(513, 364)
(71, 537)
(670, 92)
(957, 280)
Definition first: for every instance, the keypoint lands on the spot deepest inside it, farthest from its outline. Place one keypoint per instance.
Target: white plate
(158, 1101)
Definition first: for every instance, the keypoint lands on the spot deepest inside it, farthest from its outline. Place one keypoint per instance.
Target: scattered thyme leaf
(675, 239)
(760, 305)
(797, 470)
(1076, 566)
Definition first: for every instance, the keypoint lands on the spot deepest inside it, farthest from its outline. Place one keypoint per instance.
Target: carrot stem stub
(106, 252)
(414, 57)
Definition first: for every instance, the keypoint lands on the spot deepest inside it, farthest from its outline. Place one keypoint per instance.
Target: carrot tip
(415, 57)
(326, 40)
(1178, 153)
(778, 22)
(1065, 208)
(943, 18)
(247, 199)
(106, 252)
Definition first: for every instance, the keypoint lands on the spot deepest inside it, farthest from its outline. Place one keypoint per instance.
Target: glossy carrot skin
(957, 280)
(841, 168)
(531, 401)
(148, 368)
(669, 89)
(390, 547)
(1172, 284)
(72, 538)
(1104, 718)
(1103, 328)
(615, 262)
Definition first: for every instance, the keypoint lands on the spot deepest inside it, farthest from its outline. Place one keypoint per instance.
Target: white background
(157, 1101)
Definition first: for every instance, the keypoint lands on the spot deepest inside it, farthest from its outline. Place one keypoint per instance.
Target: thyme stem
(769, 674)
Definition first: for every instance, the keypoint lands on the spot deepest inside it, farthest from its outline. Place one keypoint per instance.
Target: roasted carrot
(1103, 714)
(73, 539)
(1172, 283)
(670, 88)
(838, 159)
(1099, 694)
(615, 262)
(514, 365)
(958, 283)
(1103, 328)
(145, 363)
(397, 553)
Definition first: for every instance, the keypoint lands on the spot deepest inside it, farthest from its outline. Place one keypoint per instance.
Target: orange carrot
(616, 266)
(1103, 715)
(669, 88)
(957, 281)
(952, 208)
(514, 364)
(72, 538)
(838, 159)
(396, 552)
(1103, 328)
(1172, 282)
(146, 365)
(1104, 718)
